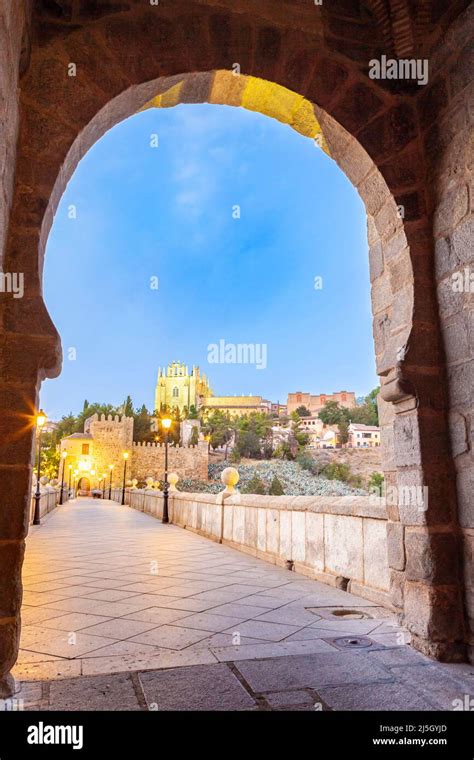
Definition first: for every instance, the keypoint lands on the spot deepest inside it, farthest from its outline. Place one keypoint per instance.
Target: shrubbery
(255, 485)
(276, 488)
(376, 482)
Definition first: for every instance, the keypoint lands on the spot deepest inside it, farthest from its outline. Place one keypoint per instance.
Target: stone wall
(340, 541)
(449, 142)
(148, 459)
(13, 31)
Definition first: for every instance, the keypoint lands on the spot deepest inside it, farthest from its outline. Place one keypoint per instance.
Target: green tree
(300, 436)
(303, 411)
(89, 409)
(50, 457)
(367, 413)
(142, 420)
(276, 488)
(194, 438)
(332, 413)
(343, 425)
(174, 432)
(255, 485)
(249, 444)
(217, 426)
(127, 407)
(193, 413)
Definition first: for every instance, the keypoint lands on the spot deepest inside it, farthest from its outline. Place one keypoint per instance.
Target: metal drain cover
(353, 642)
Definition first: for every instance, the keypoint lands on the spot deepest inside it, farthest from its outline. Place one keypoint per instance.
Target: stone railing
(50, 494)
(338, 540)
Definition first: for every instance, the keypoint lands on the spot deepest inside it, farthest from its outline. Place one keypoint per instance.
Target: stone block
(250, 537)
(433, 612)
(465, 488)
(298, 536)
(343, 546)
(261, 529)
(407, 440)
(396, 545)
(11, 561)
(238, 526)
(376, 572)
(397, 585)
(315, 541)
(432, 557)
(273, 531)
(285, 535)
(459, 433)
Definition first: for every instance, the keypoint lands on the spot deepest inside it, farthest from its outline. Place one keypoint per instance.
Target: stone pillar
(424, 550)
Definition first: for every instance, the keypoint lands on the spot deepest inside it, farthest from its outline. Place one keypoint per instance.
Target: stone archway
(80, 74)
(84, 484)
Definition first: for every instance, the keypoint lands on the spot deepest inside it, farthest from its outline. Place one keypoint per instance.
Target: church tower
(176, 387)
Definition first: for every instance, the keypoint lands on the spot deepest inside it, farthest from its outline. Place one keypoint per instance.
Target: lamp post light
(74, 482)
(63, 457)
(104, 477)
(69, 481)
(125, 457)
(166, 424)
(111, 467)
(40, 421)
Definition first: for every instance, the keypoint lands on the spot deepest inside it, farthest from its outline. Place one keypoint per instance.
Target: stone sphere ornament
(230, 477)
(149, 482)
(173, 478)
(44, 480)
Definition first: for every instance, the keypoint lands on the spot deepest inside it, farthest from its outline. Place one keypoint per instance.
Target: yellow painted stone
(258, 95)
(167, 99)
(227, 88)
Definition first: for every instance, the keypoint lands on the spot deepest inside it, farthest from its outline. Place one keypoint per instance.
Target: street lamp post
(63, 457)
(40, 420)
(69, 481)
(166, 424)
(111, 467)
(104, 480)
(125, 457)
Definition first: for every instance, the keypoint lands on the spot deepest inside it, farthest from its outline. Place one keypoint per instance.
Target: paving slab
(312, 670)
(386, 696)
(196, 688)
(171, 637)
(433, 683)
(110, 692)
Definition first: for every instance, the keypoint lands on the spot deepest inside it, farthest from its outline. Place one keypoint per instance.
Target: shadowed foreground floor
(124, 613)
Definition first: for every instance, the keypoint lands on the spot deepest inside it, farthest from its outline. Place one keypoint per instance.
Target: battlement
(116, 421)
(154, 445)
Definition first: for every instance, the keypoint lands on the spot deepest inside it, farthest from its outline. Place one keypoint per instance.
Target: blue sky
(166, 212)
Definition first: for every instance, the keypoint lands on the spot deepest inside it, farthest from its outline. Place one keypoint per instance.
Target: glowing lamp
(40, 418)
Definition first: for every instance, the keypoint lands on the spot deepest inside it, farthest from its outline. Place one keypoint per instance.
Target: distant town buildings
(314, 403)
(362, 436)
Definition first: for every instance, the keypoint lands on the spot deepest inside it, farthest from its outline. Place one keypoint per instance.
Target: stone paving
(124, 613)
